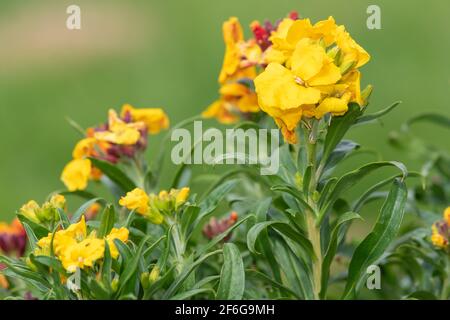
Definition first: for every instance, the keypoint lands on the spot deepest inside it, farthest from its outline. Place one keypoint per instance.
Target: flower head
(76, 249)
(155, 119)
(76, 174)
(13, 238)
(137, 200)
(312, 71)
(440, 231)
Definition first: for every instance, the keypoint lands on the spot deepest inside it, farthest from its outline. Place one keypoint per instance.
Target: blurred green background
(168, 53)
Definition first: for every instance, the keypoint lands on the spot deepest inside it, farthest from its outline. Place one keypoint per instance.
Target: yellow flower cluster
(312, 70)
(75, 249)
(155, 206)
(440, 231)
(238, 71)
(47, 212)
(107, 142)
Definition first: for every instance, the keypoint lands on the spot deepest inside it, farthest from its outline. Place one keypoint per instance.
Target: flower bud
(145, 280)
(115, 284)
(365, 94)
(29, 210)
(154, 275)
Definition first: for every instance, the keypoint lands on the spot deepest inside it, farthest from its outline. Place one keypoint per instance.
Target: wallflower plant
(287, 236)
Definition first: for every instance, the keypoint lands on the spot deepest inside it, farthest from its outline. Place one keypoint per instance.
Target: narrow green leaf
(384, 231)
(232, 276)
(115, 174)
(351, 178)
(332, 247)
(82, 209)
(107, 221)
(338, 128)
(178, 282)
(378, 114)
(283, 228)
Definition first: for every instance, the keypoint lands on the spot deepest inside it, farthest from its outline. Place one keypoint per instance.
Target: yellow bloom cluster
(440, 231)
(238, 71)
(122, 135)
(75, 249)
(155, 206)
(47, 212)
(312, 70)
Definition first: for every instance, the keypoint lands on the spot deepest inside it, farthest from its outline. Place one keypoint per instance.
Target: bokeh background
(169, 53)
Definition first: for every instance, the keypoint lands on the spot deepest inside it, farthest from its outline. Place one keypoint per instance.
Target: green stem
(313, 229)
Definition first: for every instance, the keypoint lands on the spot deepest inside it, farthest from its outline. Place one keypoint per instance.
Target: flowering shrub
(287, 236)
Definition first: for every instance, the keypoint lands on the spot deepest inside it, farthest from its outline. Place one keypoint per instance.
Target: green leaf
(338, 128)
(107, 265)
(188, 218)
(38, 230)
(344, 148)
(374, 245)
(32, 239)
(82, 209)
(351, 178)
(378, 114)
(178, 282)
(422, 295)
(295, 193)
(188, 294)
(273, 283)
(232, 276)
(115, 174)
(107, 221)
(182, 177)
(283, 228)
(435, 118)
(133, 263)
(212, 200)
(332, 247)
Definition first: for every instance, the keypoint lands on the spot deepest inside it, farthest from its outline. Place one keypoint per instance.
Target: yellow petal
(137, 200)
(335, 106)
(155, 119)
(76, 174)
(276, 88)
(308, 59)
(84, 148)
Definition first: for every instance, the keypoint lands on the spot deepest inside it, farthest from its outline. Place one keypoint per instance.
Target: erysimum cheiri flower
(312, 70)
(76, 249)
(121, 137)
(13, 238)
(440, 231)
(237, 95)
(155, 206)
(47, 212)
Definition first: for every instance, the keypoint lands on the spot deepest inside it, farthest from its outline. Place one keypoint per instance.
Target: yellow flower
(232, 35)
(76, 231)
(353, 52)
(121, 234)
(60, 243)
(155, 119)
(180, 196)
(84, 148)
(235, 97)
(437, 238)
(137, 200)
(83, 254)
(58, 201)
(3, 282)
(219, 110)
(30, 210)
(447, 216)
(76, 174)
(120, 132)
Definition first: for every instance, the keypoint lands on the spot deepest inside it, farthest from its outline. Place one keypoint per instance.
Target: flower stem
(313, 230)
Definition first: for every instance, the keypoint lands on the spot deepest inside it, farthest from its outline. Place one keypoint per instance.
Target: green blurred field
(168, 53)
